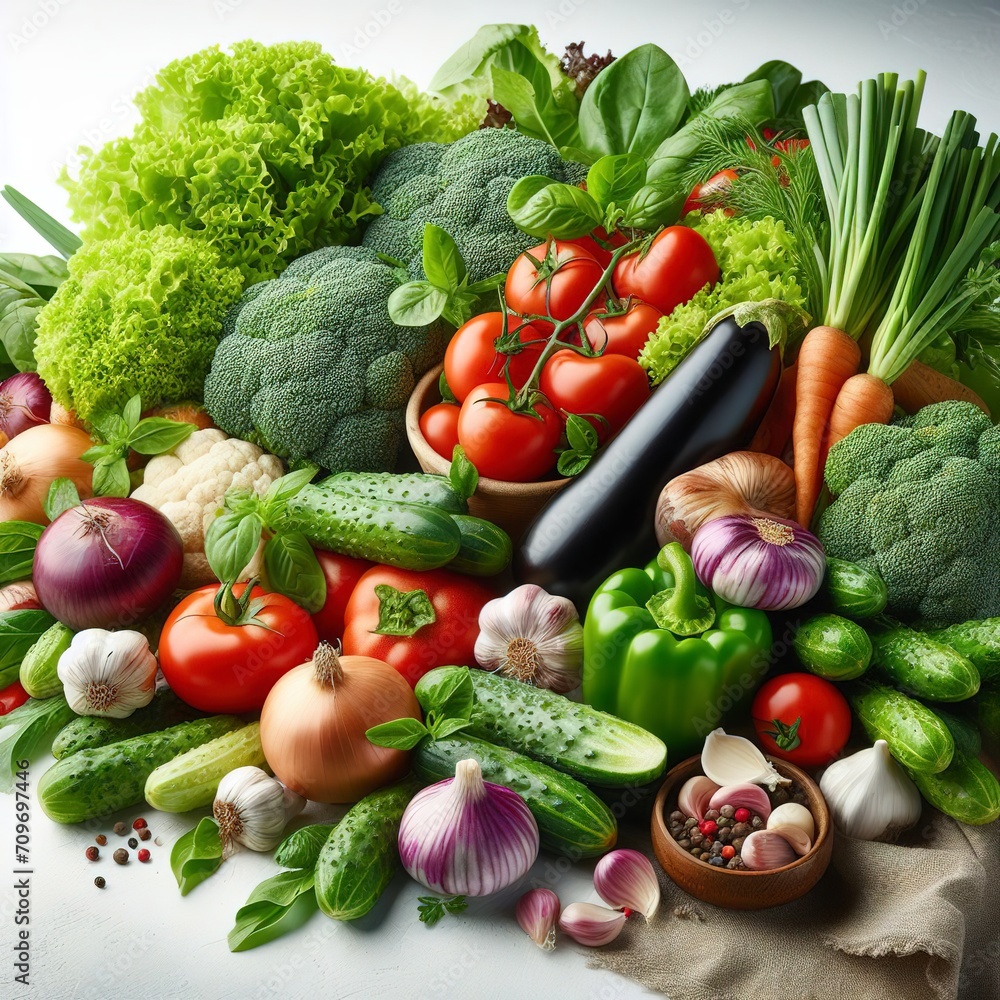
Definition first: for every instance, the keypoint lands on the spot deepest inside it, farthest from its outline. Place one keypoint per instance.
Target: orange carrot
(921, 384)
(776, 427)
(864, 399)
(827, 359)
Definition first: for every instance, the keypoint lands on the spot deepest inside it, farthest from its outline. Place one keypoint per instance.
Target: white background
(68, 70)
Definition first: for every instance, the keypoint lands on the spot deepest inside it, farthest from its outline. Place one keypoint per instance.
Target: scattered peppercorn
(143, 855)
(93, 853)
(139, 824)
(741, 815)
(121, 829)
(144, 833)
(121, 856)
(101, 839)
(133, 843)
(99, 882)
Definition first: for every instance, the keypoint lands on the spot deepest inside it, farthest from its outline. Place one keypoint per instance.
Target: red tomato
(625, 333)
(471, 358)
(801, 718)
(501, 444)
(342, 574)
(703, 197)
(679, 262)
(426, 619)
(220, 667)
(553, 279)
(610, 384)
(600, 253)
(11, 697)
(439, 426)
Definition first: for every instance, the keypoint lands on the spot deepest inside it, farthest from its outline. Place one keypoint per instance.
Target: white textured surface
(67, 79)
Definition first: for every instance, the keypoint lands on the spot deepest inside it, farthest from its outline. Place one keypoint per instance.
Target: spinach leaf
(613, 180)
(789, 93)
(43, 274)
(542, 207)
(26, 730)
(17, 549)
(19, 307)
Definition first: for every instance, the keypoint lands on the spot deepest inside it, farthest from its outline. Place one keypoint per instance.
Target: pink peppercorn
(139, 824)
(708, 827)
(742, 815)
(143, 855)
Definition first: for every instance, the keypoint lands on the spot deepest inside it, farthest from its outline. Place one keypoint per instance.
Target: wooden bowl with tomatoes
(512, 506)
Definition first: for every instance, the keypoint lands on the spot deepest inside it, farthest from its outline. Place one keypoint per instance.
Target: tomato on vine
(477, 352)
(621, 332)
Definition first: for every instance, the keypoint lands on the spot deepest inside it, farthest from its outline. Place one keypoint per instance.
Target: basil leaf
(572, 463)
(231, 542)
(613, 180)
(443, 262)
(301, 848)
(27, 730)
(463, 475)
(449, 697)
(417, 303)
(633, 104)
(655, 205)
(580, 433)
(292, 569)
(19, 307)
(559, 210)
(43, 274)
(156, 435)
(400, 734)
(445, 727)
(447, 396)
(402, 613)
(259, 923)
(19, 631)
(18, 540)
(111, 479)
(132, 413)
(113, 429)
(97, 452)
(196, 854)
(288, 486)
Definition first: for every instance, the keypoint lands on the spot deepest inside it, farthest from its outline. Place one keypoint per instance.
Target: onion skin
(24, 403)
(312, 730)
(107, 564)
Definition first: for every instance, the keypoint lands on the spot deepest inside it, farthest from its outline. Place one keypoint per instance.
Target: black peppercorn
(99, 882)
(121, 856)
(133, 843)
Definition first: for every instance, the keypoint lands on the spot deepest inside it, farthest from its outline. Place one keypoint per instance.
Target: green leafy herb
(452, 697)
(27, 730)
(463, 475)
(789, 93)
(433, 908)
(301, 848)
(292, 569)
(230, 543)
(582, 444)
(543, 207)
(278, 905)
(19, 631)
(196, 855)
(400, 734)
(43, 274)
(18, 540)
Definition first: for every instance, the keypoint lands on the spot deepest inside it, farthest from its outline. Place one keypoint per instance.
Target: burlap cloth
(916, 920)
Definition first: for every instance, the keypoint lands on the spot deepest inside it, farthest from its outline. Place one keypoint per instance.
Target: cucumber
(571, 819)
(833, 647)
(977, 641)
(407, 487)
(360, 857)
(924, 667)
(191, 779)
(38, 668)
(964, 732)
(988, 718)
(407, 535)
(485, 548)
(93, 783)
(593, 746)
(89, 732)
(853, 590)
(966, 790)
(917, 738)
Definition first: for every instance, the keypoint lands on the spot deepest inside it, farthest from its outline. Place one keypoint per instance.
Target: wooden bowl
(741, 890)
(512, 506)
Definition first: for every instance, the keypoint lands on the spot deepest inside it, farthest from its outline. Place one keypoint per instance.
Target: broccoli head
(311, 368)
(918, 502)
(461, 187)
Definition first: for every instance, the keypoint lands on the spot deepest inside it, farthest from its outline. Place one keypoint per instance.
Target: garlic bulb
(626, 880)
(252, 809)
(537, 913)
(590, 924)
(870, 796)
(109, 674)
(733, 760)
(532, 636)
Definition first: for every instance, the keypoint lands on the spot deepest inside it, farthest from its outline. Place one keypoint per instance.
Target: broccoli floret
(918, 502)
(461, 187)
(312, 368)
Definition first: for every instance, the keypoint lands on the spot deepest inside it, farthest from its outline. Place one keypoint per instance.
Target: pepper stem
(329, 669)
(680, 609)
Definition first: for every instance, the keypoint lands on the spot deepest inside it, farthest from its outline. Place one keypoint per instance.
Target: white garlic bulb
(252, 809)
(110, 674)
(870, 796)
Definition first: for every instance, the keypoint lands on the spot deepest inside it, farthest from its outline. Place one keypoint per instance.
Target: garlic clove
(537, 912)
(793, 814)
(765, 850)
(797, 838)
(626, 879)
(733, 760)
(591, 925)
(695, 796)
(744, 795)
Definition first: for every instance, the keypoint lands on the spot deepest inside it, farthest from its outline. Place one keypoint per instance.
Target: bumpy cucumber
(833, 647)
(90, 732)
(571, 819)
(190, 779)
(977, 641)
(407, 535)
(38, 668)
(407, 487)
(853, 590)
(924, 667)
(93, 783)
(485, 549)
(593, 746)
(360, 857)
(966, 790)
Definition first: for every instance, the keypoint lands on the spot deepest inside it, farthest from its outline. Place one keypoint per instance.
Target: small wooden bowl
(741, 890)
(512, 506)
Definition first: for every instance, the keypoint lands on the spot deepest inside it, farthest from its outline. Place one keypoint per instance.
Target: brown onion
(31, 461)
(313, 725)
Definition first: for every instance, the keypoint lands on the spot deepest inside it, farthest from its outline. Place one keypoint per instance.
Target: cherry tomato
(801, 718)
(427, 620)
(439, 426)
(679, 262)
(501, 444)
(219, 667)
(11, 697)
(471, 358)
(610, 384)
(553, 279)
(625, 333)
(342, 574)
(601, 254)
(704, 196)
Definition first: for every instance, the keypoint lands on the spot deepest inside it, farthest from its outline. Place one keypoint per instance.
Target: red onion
(107, 563)
(24, 403)
(758, 562)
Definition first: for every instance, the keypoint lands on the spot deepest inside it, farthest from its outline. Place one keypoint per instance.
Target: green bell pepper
(661, 651)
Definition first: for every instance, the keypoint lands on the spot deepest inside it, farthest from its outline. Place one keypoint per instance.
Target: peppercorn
(741, 815)
(696, 851)
(101, 839)
(728, 851)
(734, 864)
(741, 829)
(143, 855)
(144, 833)
(93, 853)
(133, 843)
(725, 835)
(121, 829)
(705, 855)
(800, 798)
(727, 812)
(724, 821)
(697, 837)
(139, 824)
(757, 823)
(712, 814)
(780, 796)
(708, 827)
(690, 822)
(738, 843)
(716, 847)
(684, 843)
(99, 882)
(121, 856)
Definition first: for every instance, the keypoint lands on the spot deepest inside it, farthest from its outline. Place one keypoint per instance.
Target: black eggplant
(711, 404)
